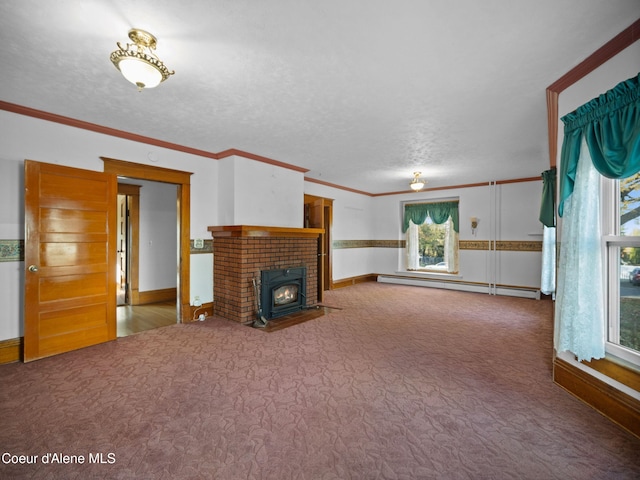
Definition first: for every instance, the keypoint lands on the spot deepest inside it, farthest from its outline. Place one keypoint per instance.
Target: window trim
(612, 242)
(431, 268)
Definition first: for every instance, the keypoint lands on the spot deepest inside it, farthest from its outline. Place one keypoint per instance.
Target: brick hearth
(241, 252)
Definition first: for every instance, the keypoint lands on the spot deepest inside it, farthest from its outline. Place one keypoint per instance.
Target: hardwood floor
(134, 319)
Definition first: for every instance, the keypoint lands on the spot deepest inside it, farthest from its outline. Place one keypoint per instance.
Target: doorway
(147, 241)
(182, 181)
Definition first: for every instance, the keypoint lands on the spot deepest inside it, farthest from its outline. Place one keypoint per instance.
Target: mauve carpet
(400, 383)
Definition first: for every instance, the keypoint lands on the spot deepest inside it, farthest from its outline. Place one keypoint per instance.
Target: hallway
(135, 319)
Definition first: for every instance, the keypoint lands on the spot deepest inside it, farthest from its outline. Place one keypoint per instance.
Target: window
(621, 219)
(432, 236)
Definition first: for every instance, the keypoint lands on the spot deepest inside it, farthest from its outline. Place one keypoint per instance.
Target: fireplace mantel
(263, 231)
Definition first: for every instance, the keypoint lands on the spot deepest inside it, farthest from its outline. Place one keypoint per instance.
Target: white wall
(158, 255)
(518, 216)
(201, 281)
(256, 193)
(11, 228)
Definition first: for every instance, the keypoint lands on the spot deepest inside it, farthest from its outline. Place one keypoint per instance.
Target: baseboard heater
(523, 292)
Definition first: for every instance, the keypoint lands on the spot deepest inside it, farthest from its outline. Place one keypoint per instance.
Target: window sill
(604, 370)
(617, 369)
(429, 274)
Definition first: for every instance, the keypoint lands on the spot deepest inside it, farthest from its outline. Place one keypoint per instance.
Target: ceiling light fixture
(138, 63)
(417, 183)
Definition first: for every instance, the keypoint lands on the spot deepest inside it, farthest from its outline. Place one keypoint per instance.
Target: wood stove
(283, 291)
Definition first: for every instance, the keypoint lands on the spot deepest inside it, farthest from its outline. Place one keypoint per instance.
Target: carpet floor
(396, 382)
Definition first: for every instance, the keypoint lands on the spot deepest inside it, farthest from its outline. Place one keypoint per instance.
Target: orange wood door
(70, 259)
(315, 208)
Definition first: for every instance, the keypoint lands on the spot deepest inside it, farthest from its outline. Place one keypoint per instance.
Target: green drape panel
(548, 204)
(610, 125)
(438, 212)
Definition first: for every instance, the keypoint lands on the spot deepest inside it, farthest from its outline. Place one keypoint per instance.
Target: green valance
(438, 212)
(610, 125)
(548, 204)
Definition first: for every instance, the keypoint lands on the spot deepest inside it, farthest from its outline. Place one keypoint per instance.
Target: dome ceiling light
(417, 183)
(137, 61)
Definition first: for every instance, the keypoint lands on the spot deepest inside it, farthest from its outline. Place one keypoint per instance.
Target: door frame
(328, 257)
(132, 193)
(122, 168)
(319, 214)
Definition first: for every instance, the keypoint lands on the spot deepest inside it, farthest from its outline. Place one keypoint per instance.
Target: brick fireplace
(242, 252)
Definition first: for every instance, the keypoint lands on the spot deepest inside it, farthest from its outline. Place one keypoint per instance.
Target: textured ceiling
(360, 92)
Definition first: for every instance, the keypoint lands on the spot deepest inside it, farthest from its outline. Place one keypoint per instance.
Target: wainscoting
(609, 401)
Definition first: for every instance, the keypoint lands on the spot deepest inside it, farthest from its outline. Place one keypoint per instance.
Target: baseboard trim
(156, 296)
(347, 282)
(448, 284)
(11, 350)
(614, 404)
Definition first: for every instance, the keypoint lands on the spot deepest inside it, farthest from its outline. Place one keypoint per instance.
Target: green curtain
(610, 125)
(438, 212)
(548, 204)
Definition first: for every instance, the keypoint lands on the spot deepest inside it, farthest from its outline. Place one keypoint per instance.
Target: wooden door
(319, 214)
(314, 219)
(326, 258)
(123, 249)
(70, 259)
(128, 250)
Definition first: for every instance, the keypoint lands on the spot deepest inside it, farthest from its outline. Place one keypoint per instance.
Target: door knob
(33, 268)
